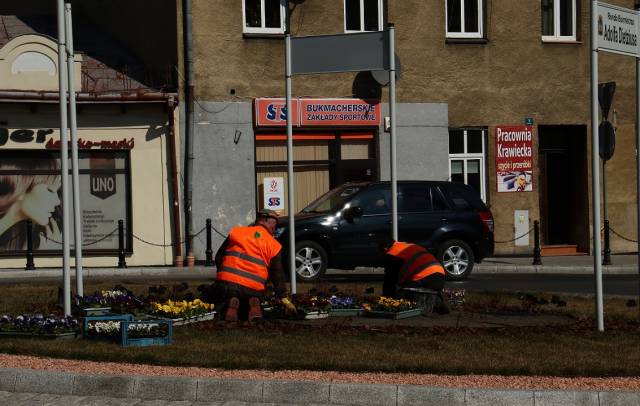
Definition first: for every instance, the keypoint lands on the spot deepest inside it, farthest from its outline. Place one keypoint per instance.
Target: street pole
(291, 183)
(392, 113)
(62, 80)
(77, 219)
(595, 169)
(638, 164)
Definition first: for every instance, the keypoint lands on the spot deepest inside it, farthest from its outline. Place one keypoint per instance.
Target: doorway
(564, 200)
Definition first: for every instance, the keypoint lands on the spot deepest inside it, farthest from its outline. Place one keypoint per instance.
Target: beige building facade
(128, 167)
(470, 73)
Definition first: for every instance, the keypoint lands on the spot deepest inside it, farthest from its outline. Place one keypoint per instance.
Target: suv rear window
(463, 197)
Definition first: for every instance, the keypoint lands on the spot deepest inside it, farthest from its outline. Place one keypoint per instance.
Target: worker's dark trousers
(434, 282)
(227, 290)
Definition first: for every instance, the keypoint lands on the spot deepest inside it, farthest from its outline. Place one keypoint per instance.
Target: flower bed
(386, 307)
(456, 297)
(104, 327)
(39, 325)
(183, 312)
(118, 300)
(344, 306)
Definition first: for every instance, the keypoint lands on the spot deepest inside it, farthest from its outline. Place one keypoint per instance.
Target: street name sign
(617, 30)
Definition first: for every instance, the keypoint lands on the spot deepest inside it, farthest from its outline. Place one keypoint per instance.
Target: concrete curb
(201, 272)
(297, 392)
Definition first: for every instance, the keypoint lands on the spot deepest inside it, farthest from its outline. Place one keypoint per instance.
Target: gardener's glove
(289, 308)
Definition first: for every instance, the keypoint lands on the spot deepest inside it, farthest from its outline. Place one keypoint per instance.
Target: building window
(467, 158)
(264, 16)
(363, 15)
(559, 20)
(464, 18)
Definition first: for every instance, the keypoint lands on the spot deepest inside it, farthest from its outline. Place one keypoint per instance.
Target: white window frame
(465, 157)
(262, 29)
(463, 34)
(380, 16)
(556, 24)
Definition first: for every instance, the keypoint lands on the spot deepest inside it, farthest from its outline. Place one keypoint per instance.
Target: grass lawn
(282, 346)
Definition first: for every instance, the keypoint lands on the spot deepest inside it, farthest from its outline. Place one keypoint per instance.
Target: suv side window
(414, 198)
(464, 197)
(374, 201)
(438, 202)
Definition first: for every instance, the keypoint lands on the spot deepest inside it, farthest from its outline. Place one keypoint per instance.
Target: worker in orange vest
(409, 265)
(249, 257)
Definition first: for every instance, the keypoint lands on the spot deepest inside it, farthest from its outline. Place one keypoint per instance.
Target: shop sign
(339, 112)
(617, 30)
(318, 112)
(89, 144)
(27, 136)
(273, 112)
(273, 193)
(514, 158)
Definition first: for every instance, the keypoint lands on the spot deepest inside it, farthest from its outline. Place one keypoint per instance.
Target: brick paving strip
(26, 374)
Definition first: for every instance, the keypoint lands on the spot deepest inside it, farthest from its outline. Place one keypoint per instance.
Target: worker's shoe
(232, 309)
(255, 310)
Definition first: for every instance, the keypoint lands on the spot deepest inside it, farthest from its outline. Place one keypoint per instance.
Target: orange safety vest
(246, 260)
(418, 262)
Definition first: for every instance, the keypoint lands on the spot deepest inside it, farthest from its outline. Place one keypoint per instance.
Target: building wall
(224, 165)
(514, 75)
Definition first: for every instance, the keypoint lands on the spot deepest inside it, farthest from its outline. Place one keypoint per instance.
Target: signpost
(369, 51)
(613, 29)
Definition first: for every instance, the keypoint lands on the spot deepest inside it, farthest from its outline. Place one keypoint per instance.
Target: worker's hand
(289, 308)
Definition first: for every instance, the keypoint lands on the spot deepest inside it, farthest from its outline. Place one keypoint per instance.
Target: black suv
(344, 227)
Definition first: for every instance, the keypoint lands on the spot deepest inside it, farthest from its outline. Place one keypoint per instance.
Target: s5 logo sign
(274, 202)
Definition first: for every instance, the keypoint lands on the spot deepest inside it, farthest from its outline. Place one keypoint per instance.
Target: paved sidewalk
(48, 399)
(622, 265)
(32, 387)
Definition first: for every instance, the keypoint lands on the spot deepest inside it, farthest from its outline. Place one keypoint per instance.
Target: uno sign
(318, 112)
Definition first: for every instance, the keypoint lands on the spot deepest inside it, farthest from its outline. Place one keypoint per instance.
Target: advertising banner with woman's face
(30, 189)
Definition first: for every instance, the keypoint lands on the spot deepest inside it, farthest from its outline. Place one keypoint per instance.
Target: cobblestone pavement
(44, 399)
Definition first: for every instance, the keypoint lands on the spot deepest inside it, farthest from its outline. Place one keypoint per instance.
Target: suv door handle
(444, 219)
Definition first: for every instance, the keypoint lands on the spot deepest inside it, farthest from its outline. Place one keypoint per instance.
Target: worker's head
(386, 243)
(268, 219)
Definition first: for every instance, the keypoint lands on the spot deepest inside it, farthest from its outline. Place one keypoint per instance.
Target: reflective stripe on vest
(244, 274)
(418, 262)
(246, 257)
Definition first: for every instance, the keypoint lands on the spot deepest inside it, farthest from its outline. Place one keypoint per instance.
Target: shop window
(264, 16)
(322, 161)
(467, 158)
(559, 19)
(464, 18)
(30, 189)
(363, 15)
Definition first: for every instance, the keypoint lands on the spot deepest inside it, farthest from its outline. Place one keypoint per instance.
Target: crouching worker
(410, 271)
(248, 258)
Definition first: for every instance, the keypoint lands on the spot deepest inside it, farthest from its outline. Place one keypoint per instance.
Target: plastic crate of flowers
(456, 297)
(146, 332)
(91, 305)
(390, 308)
(183, 312)
(104, 327)
(344, 306)
(39, 325)
(312, 306)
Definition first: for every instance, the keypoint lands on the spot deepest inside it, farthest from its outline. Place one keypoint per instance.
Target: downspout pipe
(189, 128)
(175, 188)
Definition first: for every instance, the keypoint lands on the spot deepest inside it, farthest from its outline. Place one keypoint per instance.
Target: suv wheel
(311, 261)
(457, 259)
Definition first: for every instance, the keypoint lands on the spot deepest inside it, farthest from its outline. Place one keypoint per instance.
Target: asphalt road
(619, 285)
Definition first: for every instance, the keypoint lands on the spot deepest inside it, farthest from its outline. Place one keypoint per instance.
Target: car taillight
(487, 220)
